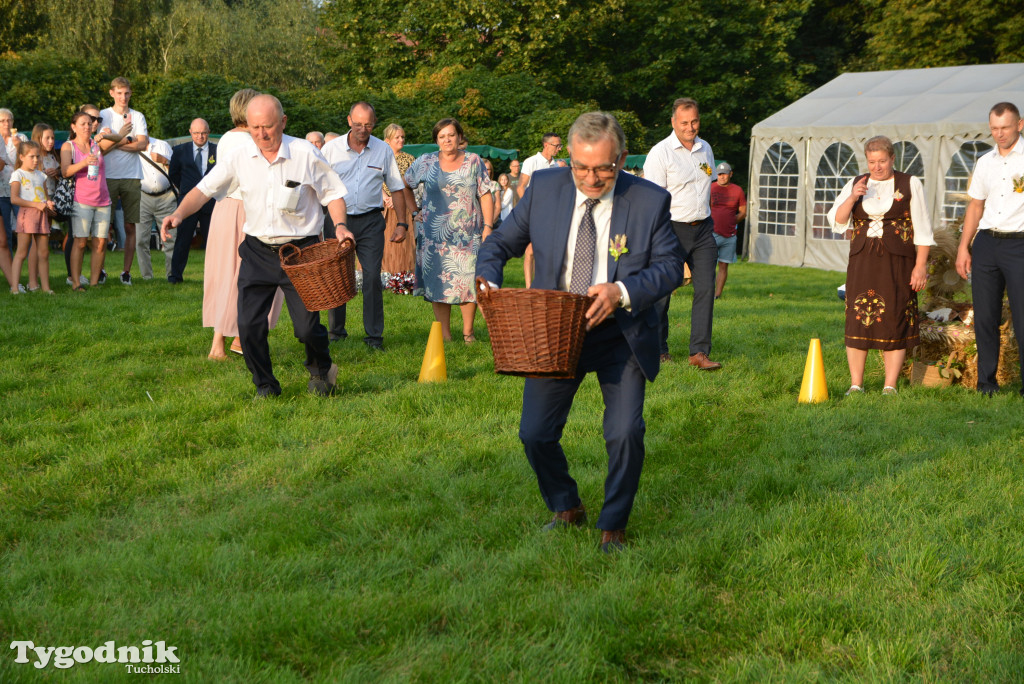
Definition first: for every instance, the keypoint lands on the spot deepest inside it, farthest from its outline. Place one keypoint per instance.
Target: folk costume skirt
(881, 307)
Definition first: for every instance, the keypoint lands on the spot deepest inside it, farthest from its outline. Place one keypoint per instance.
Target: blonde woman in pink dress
(220, 272)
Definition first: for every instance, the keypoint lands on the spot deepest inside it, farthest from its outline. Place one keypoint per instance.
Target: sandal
(469, 339)
(78, 288)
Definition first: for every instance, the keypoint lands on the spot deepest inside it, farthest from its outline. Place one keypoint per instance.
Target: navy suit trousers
(546, 405)
(997, 266)
(701, 256)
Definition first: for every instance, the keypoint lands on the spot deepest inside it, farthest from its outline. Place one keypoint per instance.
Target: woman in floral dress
(455, 217)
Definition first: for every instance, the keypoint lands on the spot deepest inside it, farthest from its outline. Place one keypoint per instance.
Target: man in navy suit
(598, 231)
(189, 163)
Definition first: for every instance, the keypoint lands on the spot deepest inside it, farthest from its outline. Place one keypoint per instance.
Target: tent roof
(941, 101)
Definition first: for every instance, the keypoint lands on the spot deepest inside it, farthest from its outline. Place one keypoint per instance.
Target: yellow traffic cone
(434, 368)
(813, 389)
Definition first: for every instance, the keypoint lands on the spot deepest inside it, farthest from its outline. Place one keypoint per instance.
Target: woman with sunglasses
(82, 157)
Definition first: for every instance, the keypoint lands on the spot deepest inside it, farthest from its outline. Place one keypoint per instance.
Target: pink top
(91, 193)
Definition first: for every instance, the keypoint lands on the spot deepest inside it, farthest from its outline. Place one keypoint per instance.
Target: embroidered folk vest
(897, 228)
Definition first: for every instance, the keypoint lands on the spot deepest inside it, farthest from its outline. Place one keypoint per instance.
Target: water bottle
(94, 169)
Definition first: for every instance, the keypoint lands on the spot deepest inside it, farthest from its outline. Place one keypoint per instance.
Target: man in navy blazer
(185, 172)
(600, 231)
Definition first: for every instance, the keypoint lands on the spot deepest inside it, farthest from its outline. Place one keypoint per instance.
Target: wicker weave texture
(534, 333)
(323, 273)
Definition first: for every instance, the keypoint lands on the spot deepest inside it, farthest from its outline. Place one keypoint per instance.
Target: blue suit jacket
(183, 171)
(650, 270)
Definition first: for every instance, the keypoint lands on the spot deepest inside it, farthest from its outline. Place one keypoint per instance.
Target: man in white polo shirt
(995, 222)
(284, 182)
(551, 144)
(123, 166)
(683, 164)
(365, 163)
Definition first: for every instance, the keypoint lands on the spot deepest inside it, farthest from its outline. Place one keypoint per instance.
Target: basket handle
(482, 286)
(346, 244)
(287, 250)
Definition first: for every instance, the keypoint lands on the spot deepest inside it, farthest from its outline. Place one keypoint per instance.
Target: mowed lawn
(392, 532)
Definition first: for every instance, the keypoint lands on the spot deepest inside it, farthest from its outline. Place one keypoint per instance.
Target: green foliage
(170, 104)
(906, 34)
(21, 25)
(45, 87)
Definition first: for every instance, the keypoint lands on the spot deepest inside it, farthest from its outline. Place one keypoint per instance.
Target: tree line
(510, 70)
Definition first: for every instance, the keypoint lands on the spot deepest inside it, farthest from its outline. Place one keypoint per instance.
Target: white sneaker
(126, 278)
(68, 280)
(855, 389)
(82, 280)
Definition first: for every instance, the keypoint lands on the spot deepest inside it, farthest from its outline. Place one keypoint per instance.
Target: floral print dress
(450, 226)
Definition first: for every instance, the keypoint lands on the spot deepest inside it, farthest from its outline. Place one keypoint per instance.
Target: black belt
(156, 194)
(366, 213)
(1008, 235)
(691, 223)
(298, 242)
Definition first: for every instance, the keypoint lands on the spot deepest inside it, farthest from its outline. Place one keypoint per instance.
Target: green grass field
(392, 532)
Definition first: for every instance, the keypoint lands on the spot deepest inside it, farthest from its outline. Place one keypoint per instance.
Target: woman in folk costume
(884, 214)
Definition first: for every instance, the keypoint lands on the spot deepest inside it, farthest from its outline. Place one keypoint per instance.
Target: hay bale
(1008, 370)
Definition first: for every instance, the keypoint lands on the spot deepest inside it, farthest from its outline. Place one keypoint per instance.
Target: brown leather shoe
(666, 357)
(574, 517)
(702, 362)
(613, 540)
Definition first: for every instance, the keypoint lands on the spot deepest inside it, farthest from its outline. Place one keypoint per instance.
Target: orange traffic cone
(813, 389)
(434, 368)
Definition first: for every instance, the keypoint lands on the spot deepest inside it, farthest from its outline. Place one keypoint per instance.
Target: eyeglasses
(557, 146)
(603, 171)
(366, 126)
(94, 119)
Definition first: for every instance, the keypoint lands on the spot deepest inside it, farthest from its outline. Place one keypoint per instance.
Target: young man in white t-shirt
(123, 165)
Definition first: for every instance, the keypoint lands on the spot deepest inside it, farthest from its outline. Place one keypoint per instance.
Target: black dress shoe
(375, 345)
(266, 391)
(323, 385)
(574, 517)
(334, 338)
(613, 541)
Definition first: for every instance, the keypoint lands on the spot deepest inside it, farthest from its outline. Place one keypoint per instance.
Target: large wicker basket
(323, 273)
(534, 333)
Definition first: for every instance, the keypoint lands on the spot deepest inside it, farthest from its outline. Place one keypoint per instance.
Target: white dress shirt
(205, 151)
(117, 162)
(363, 173)
(537, 163)
(232, 140)
(153, 182)
(602, 226)
(265, 192)
(686, 174)
(878, 200)
(993, 181)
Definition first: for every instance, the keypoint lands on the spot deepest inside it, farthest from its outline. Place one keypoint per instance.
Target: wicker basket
(534, 333)
(323, 273)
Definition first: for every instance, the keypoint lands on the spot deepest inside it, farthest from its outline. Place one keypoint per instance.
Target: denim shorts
(726, 249)
(88, 221)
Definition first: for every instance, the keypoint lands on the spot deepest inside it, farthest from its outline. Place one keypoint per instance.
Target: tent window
(908, 159)
(778, 181)
(837, 165)
(954, 202)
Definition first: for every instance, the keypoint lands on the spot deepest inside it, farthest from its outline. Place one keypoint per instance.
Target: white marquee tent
(801, 156)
